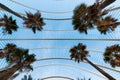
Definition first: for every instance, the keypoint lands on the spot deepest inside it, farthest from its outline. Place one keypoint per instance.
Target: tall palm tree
(86, 17)
(20, 60)
(35, 22)
(8, 24)
(79, 53)
(112, 55)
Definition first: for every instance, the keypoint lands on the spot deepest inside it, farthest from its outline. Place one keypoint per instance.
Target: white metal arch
(51, 12)
(43, 59)
(51, 77)
(72, 66)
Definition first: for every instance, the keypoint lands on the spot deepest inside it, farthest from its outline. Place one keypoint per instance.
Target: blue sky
(60, 49)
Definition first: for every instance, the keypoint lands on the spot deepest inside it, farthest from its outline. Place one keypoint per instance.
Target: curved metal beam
(61, 19)
(58, 47)
(51, 12)
(116, 70)
(62, 77)
(38, 9)
(73, 66)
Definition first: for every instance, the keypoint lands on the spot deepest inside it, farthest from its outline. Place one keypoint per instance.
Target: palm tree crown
(8, 24)
(79, 52)
(34, 21)
(87, 17)
(112, 55)
(106, 24)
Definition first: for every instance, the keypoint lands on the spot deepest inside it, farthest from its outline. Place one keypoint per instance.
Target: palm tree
(35, 22)
(79, 53)
(86, 17)
(79, 19)
(112, 55)
(8, 24)
(20, 60)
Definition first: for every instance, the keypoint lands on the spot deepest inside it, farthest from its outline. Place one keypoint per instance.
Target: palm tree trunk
(6, 74)
(106, 3)
(100, 70)
(10, 11)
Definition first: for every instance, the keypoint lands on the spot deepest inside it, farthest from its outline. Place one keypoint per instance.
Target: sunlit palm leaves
(87, 17)
(79, 19)
(34, 21)
(8, 24)
(107, 24)
(112, 55)
(79, 52)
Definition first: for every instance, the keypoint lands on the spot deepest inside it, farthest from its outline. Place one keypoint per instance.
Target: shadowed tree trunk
(10, 11)
(106, 3)
(100, 70)
(6, 74)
